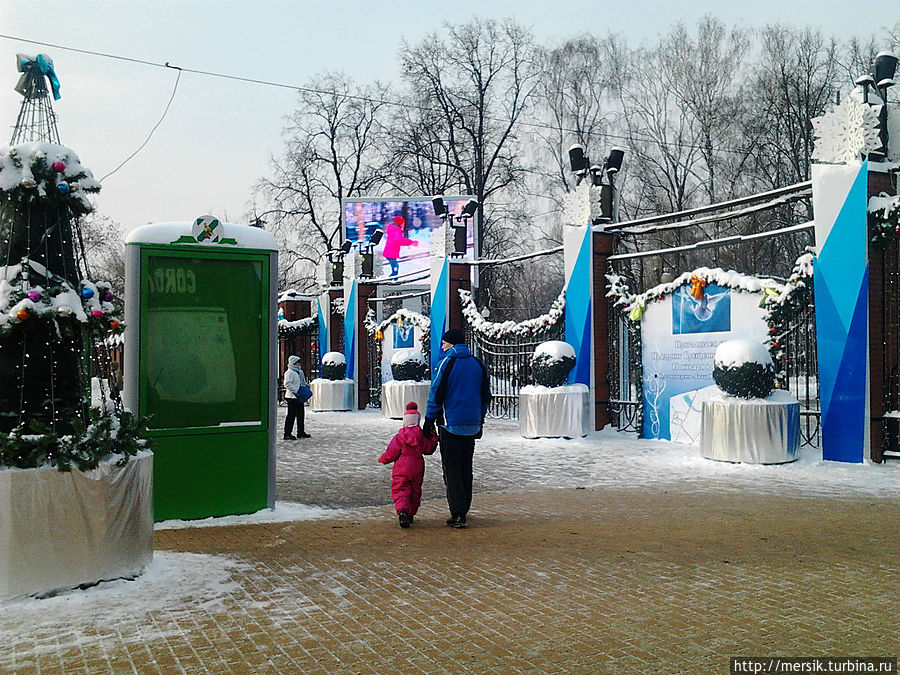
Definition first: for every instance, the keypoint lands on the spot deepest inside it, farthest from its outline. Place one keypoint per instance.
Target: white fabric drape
(61, 530)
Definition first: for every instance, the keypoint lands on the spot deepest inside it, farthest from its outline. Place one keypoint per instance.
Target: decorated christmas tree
(54, 319)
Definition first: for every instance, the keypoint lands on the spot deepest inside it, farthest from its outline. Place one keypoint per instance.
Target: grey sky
(219, 134)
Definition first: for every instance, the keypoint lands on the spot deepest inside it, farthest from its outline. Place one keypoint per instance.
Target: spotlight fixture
(885, 67)
(469, 209)
(375, 239)
(440, 210)
(614, 161)
(346, 246)
(578, 160)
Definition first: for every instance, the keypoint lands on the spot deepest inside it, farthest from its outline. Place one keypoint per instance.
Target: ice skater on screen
(394, 240)
(405, 450)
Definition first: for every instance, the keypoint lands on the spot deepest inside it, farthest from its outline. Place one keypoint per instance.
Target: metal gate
(508, 362)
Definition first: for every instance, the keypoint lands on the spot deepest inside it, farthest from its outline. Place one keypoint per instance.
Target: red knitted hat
(411, 416)
(399, 220)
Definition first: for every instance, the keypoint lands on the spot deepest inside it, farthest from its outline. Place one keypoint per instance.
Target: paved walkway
(602, 580)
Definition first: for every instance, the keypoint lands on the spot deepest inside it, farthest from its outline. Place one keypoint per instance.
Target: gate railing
(508, 362)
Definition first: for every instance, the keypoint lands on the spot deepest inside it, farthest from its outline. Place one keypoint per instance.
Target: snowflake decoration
(577, 206)
(846, 133)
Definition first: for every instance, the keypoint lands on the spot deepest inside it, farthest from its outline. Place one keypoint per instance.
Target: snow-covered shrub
(409, 364)
(334, 366)
(744, 368)
(551, 363)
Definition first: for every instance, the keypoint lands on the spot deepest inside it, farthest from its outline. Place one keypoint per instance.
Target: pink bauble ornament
(34, 296)
(109, 297)
(59, 166)
(97, 313)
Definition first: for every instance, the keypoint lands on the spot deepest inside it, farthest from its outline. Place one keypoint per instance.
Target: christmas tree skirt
(61, 530)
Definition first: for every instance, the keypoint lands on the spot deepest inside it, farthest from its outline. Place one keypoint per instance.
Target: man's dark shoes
(405, 519)
(289, 438)
(303, 434)
(459, 522)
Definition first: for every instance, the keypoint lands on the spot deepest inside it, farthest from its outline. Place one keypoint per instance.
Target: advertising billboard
(407, 224)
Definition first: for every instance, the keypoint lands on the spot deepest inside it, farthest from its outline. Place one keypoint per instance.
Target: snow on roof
(170, 233)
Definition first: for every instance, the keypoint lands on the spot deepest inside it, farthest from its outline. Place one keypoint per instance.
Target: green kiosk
(200, 361)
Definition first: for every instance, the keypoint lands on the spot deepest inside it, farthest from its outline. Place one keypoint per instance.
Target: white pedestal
(395, 394)
(61, 530)
(550, 412)
(332, 394)
(756, 431)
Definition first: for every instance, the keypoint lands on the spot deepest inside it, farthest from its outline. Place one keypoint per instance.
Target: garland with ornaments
(47, 172)
(29, 293)
(109, 433)
(401, 316)
(782, 304)
(884, 219)
(781, 310)
(529, 328)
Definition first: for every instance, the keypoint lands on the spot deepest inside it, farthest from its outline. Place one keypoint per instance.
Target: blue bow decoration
(44, 64)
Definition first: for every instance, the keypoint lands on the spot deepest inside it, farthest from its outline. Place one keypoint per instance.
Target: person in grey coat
(294, 378)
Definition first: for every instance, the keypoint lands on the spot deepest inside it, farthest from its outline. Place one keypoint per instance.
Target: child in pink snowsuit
(405, 450)
(393, 240)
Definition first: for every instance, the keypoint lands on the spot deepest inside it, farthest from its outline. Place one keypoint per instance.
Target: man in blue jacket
(458, 401)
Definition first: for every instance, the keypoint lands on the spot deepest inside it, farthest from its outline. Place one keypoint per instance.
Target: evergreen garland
(528, 328)
(884, 220)
(109, 433)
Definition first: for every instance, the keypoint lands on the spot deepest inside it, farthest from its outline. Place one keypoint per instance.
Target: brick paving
(602, 580)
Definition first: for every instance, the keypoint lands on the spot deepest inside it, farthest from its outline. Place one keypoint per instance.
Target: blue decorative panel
(579, 312)
(438, 311)
(841, 282)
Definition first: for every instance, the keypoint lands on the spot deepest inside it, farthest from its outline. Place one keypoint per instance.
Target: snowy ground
(335, 474)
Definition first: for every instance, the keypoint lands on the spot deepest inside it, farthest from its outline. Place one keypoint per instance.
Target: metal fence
(508, 362)
(801, 373)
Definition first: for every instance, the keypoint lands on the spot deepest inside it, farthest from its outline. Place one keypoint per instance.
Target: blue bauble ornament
(87, 293)
(63, 188)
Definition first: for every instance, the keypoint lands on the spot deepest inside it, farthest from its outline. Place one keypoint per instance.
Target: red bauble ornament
(113, 325)
(59, 167)
(23, 315)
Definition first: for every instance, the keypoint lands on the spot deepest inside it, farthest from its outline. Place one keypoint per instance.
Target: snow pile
(286, 327)
(734, 353)
(407, 355)
(334, 359)
(555, 350)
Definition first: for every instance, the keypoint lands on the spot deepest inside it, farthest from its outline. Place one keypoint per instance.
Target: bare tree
(333, 148)
(795, 79)
(471, 84)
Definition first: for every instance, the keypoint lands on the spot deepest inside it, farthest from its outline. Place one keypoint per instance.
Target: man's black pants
(456, 461)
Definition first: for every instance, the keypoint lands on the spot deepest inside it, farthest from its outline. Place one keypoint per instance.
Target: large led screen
(410, 246)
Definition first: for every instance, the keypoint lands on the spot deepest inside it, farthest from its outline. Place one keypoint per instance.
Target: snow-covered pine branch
(527, 328)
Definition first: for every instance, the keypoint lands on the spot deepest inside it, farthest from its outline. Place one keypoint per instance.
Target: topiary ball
(552, 362)
(334, 366)
(409, 364)
(744, 368)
